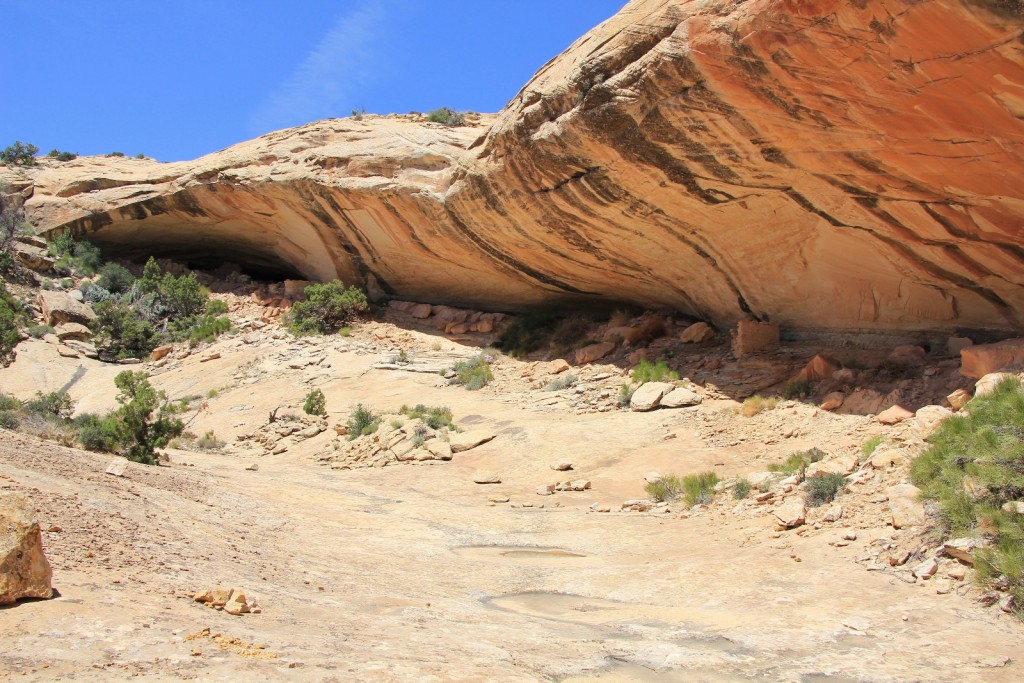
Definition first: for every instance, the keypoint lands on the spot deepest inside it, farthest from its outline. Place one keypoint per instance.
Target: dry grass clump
(757, 403)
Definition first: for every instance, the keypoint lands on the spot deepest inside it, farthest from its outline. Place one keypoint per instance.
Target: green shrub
(646, 371)
(9, 419)
(96, 433)
(436, 417)
(560, 383)
(39, 331)
(54, 404)
(11, 314)
(626, 392)
(216, 307)
(115, 154)
(796, 388)
(797, 462)
(212, 393)
(741, 490)
(19, 154)
(447, 117)
(668, 487)
(8, 402)
(115, 278)
(316, 403)
(757, 403)
(182, 296)
(699, 489)
(209, 442)
(327, 307)
(62, 245)
(474, 373)
(361, 422)
(145, 422)
(122, 331)
(87, 257)
(527, 333)
(869, 446)
(62, 156)
(822, 488)
(974, 466)
(198, 329)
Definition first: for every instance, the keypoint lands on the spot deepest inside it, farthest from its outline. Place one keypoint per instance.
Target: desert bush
(62, 156)
(198, 329)
(115, 154)
(626, 392)
(564, 382)
(527, 333)
(182, 296)
(96, 433)
(39, 331)
(19, 154)
(54, 404)
(796, 388)
(757, 403)
(447, 117)
(8, 402)
(668, 487)
(9, 419)
(209, 442)
(11, 315)
(699, 489)
(436, 417)
(327, 307)
(474, 373)
(570, 332)
(741, 490)
(87, 258)
(145, 420)
(316, 403)
(975, 466)
(216, 307)
(115, 278)
(797, 462)
(868, 448)
(122, 331)
(646, 371)
(823, 488)
(361, 422)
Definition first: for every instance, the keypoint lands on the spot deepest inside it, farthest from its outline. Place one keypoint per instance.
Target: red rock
(893, 415)
(983, 359)
(751, 337)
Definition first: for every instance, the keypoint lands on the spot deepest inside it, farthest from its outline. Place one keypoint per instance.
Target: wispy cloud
(331, 74)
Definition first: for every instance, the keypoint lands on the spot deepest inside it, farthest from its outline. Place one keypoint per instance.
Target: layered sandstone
(821, 164)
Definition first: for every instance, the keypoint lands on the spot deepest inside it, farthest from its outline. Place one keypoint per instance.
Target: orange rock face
(821, 164)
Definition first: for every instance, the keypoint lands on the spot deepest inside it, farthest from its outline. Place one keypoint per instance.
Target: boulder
(929, 418)
(833, 401)
(681, 397)
(236, 603)
(557, 366)
(926, 569)
(160, 352)
(73, 332)
(987, 384)
(962, 549)
(24, 569)
(589, 354)
(818, 368)
(697, 333)
(487, 478)
(561, 465)
(546, 489)
(59, 307)
(648, 396)
(983, 359)
(117, 467)
(792, 513)
(420, 311)
(905, 506)
(464, 441)
(894, 415)
(958, 399)
(441, 450)
(886, 457)
(863, 402)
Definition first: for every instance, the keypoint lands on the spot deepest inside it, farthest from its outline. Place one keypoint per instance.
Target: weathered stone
(929, 418)
(697, 333)
(73, 332)
(464, 441)
(441, 450)
(1014, 506)
(925, 570)
(905, 506)
(420, 311)
(236, 603)
(681, 397)
(833, 401)
(988, 383)
(833, 514)
(557, 366)
(962, 549)
(751, 337)
(561, 465)
(487, 478)
(958, 399)
(589, 354)
(954, 345)
(117, 467)
(792, 513)
(818, 368)
(58, 307)
(886, 457)
(893, 415)
(24, 569)
(648, 396)
(983, 359)
(580, 484)
(546, 489)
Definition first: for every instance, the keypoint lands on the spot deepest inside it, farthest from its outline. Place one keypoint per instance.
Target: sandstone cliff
(819, 163)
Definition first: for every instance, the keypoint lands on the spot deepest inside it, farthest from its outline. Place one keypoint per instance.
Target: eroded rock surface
(24, 570)
(723, 159)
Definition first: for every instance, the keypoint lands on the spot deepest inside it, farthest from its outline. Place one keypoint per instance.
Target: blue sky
(176, 79)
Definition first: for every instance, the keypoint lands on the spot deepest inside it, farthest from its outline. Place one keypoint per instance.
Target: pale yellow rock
(24, 569)
(905, 506)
